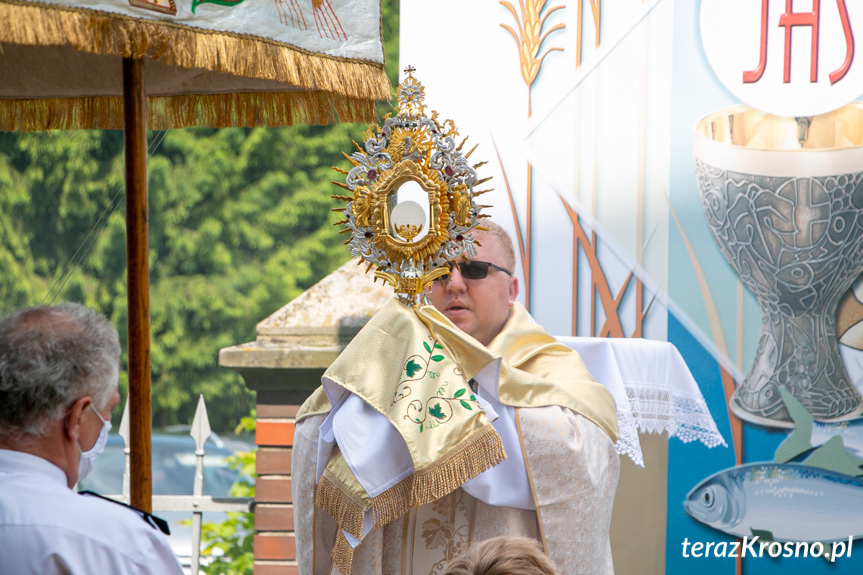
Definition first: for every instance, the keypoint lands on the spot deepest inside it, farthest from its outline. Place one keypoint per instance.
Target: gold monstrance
(412, 206)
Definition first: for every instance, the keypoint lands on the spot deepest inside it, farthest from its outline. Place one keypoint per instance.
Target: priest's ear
(513, 290)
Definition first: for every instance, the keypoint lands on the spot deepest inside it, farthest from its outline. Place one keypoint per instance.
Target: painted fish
(851, 433)
(794, 502)
(808, 433)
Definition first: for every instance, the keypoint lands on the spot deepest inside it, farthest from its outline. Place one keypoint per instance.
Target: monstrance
(412, 206)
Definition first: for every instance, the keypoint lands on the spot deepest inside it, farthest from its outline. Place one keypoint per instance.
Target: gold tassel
(467, 459)
(392, 503)
(473, 455)
(335, 499)
(343, 554)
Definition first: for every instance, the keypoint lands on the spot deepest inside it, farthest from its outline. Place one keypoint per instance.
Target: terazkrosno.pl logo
(754, 547)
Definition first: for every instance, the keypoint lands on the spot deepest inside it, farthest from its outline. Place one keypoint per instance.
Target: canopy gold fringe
(37, 24)
(214, 111)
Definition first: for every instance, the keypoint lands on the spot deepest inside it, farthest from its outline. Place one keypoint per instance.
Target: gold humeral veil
(415, 368)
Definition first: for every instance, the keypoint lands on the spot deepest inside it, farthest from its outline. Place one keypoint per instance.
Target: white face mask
(85, 463)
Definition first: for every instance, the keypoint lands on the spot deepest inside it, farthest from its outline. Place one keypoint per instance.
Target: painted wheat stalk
(529, 36)
(530, 21)
(595, 10)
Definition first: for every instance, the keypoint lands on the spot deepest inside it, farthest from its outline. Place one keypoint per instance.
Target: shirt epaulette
(149, 519)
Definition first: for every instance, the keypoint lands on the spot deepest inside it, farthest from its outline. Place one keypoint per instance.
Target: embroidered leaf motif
(437, 358)
(437, 345)
(459, 393)
(411, 368)
(421, 427)
(473, 398)
(465, 404)
(437, 533)
(426, 345)
(433, 374)
(437, 411)
(196, 3)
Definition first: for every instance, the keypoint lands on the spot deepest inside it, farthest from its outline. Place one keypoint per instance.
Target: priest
(454, 423)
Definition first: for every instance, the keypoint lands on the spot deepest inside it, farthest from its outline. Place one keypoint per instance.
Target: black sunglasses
(474, 270)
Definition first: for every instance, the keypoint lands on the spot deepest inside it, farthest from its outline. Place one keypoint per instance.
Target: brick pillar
(275, 548)
(284, 365)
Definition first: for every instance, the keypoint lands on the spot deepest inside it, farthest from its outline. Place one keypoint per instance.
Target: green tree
(234, 537)
(240, 224)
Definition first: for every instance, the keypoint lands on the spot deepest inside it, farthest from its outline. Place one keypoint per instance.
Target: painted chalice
(784, 200)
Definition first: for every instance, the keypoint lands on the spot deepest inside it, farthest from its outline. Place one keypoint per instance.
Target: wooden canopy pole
(138, 283)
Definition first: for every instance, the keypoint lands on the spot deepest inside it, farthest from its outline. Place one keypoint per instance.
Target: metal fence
(197, 503)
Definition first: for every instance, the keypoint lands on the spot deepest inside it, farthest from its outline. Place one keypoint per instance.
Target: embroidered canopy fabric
(210, 63)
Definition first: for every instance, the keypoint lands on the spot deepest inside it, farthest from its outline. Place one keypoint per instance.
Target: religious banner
(689, 172)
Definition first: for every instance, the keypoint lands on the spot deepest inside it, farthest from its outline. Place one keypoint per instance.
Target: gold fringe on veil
(343, 554)
(472, 456)
(346, 501)
(347, 506)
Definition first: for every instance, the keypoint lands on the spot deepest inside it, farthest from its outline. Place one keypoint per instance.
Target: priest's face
(479, 307)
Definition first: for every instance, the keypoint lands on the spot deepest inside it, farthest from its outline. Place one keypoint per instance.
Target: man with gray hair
(58, 385)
